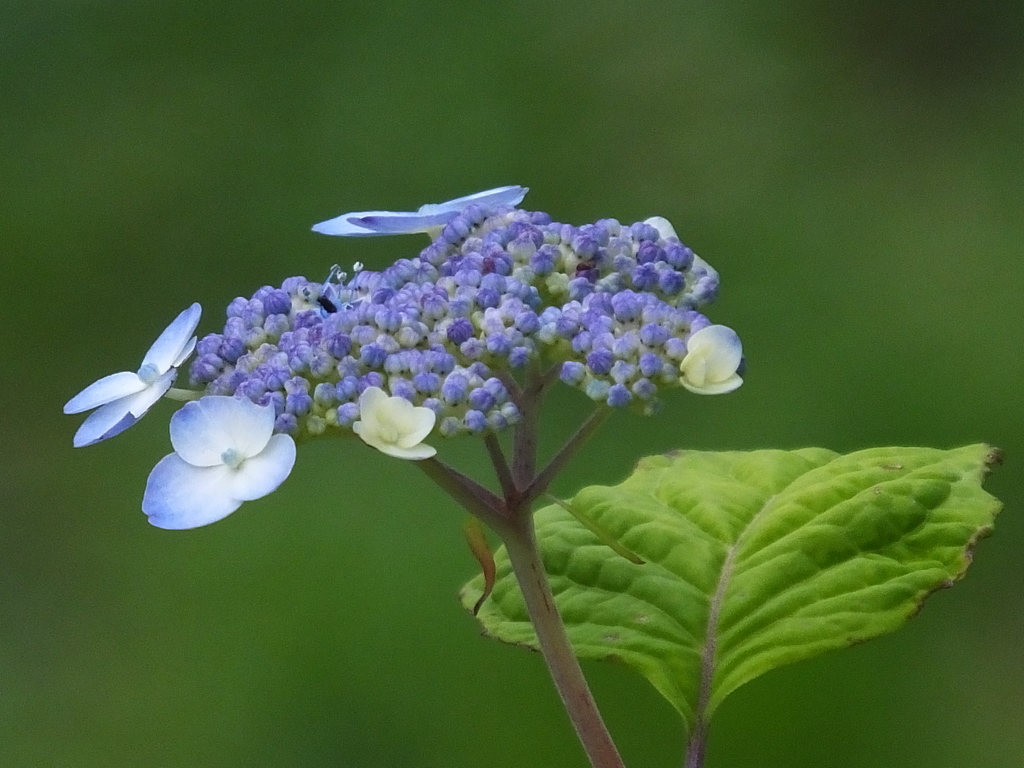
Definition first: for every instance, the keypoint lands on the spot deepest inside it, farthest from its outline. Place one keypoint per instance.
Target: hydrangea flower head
(610, 307)
(123, 398)
(225, 453)
(443, 340)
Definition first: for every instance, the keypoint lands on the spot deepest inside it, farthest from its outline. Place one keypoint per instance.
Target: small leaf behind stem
(477, 540)
(754, 560)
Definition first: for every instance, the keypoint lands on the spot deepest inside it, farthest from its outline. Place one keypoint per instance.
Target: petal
(420, 423)
(106, 390)
(142, 401)
(180, 495)
(371, 401)
(721, 348)
(415, 453)
(730, 384)
(172, 342)
(347, 224)
(664, 227)
(109, 420)
(387, 223)
(429, 216)
(695, 369)
(204, 429)
(499, 197)
(188, 350)
(263, 473)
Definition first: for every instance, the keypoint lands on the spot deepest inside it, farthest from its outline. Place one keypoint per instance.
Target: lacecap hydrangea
(433, 343)
(612, 307)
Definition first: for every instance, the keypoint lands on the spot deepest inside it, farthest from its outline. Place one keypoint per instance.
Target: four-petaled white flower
(393, 425)
(431, 216)
(122, 398)
(226, 452)
(713, 355)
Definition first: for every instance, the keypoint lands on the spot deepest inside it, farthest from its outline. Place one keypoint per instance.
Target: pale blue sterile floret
(121, 399)
(429, 217)
(225, 453)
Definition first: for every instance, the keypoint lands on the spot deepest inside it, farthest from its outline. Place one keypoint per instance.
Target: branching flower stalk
(510, 517)
(463, 339)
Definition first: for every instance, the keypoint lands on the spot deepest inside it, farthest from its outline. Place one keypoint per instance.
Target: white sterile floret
(226, 452)
(429, 217)
(393, 425)
(122, 398)
(713, 354)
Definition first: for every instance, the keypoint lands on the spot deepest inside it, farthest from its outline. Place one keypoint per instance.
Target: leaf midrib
(707, 659)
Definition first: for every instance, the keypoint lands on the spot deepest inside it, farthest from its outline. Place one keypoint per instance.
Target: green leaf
(753, 560)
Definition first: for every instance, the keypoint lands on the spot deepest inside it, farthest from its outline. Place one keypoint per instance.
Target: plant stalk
(696, 745)
(521, 544)
(511, 518)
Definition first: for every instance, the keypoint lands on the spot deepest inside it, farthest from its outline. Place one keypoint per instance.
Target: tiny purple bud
(644, 389)
(619, 396)
(402, 388)
(427, 383)
(671, 282)
(481, 399)
(650, 364)
(653, 335)
(348, 414)
(461, 331)
(298, 404)
(286, 423)
(573, 373)
(372, 355)
(475, 421)
(600, 361)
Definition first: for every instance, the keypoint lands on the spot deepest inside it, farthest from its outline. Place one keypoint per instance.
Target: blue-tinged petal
(188, 350)
(106, 390)
(142, 401)
(499, 197)
(263, 473)
(107, 421)
(721, 348)
(179, 495)
(203, 430)
(404, 223)
(347, 224)
(172, 342)
(429, 216)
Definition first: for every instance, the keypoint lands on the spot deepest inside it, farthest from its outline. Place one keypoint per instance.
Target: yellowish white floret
(393, 425)
(713, 355)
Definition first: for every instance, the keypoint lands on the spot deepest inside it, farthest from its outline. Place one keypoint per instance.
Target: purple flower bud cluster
(611, 305)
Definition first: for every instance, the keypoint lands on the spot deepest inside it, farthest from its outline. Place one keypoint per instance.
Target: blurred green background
(854, 171)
